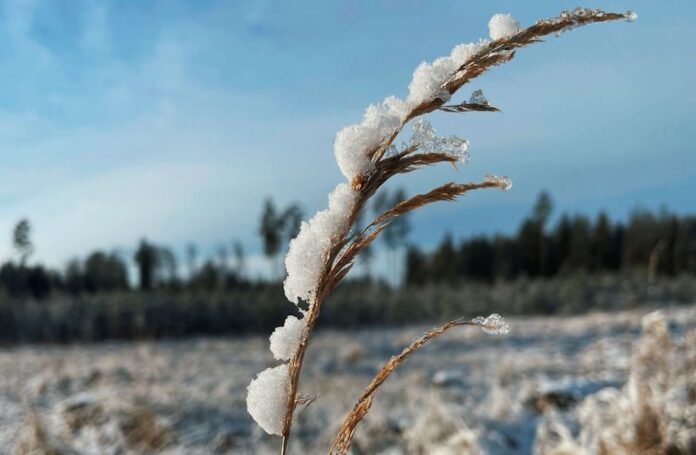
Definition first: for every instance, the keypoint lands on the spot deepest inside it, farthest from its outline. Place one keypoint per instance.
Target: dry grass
(345, 249)
(644, 417)
(345, 435)
(34, 440)
(440, 401)
(109, 422)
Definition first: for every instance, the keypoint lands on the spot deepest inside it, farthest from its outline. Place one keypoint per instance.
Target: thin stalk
(344, 252)
(345, 435)
(295, 364)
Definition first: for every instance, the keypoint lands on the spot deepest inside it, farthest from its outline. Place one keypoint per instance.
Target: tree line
(155, 267)
(573, 265)
(653, 243)
(152, 266)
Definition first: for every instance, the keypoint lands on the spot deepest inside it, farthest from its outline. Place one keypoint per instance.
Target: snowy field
(590, 384)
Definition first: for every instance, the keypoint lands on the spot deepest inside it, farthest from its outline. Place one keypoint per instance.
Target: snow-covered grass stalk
(493, 324)
(324, 250)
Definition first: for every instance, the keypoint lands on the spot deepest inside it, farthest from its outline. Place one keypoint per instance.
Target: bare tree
(270, 229)
(191, 258)
(21, 240)
(239, 258)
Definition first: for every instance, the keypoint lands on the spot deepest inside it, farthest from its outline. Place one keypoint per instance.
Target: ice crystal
(423, 135)
(286, 339)
(501, 181)
(267, 398)
(493, 324)
(391, 150)
(308, 251)
(477, 97)
(503, 26)
(425, 138)
(455, 146)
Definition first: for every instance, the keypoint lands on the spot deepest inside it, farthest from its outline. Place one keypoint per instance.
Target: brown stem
(295, 368)
(347, 430)
(295, 364)
(495, 53)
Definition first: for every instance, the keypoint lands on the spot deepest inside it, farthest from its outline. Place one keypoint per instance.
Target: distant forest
(574, 265)
(656, 243)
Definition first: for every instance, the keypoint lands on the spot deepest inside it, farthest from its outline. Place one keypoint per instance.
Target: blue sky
(173, 120)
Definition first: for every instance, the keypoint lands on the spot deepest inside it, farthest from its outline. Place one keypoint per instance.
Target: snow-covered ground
(588, 384)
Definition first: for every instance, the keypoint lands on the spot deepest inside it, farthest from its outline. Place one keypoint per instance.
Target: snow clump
(503, 26)
(267, 398)
(308, 251)
(286, 339)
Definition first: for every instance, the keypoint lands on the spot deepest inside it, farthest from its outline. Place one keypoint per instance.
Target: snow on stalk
(324, 250)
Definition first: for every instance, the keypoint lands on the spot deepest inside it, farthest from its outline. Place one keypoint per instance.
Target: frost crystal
(423, 135)
(493, 324)
(267, 398)
(501, 181)
(456, 146)
(477, 97)
(354, 142)
(503, 26)
(425, 138)
(286, 339)
(308, 251)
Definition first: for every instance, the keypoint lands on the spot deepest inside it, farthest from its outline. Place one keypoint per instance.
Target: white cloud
(171, 176)
(170, 141)
(112, 208)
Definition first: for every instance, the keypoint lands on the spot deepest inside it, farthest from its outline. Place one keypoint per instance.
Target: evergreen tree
(533, 242)
(580, 256)
(146, 261)
(476, 259)
(191, 258)
(102, 272)
(562, 239)
(601, 244)
(444, 262)
(416, 267)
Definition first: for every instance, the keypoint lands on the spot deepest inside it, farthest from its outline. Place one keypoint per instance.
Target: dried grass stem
(347, 430)
(344, 251)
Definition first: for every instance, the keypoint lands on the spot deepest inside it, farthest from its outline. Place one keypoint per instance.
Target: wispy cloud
(116, 208)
